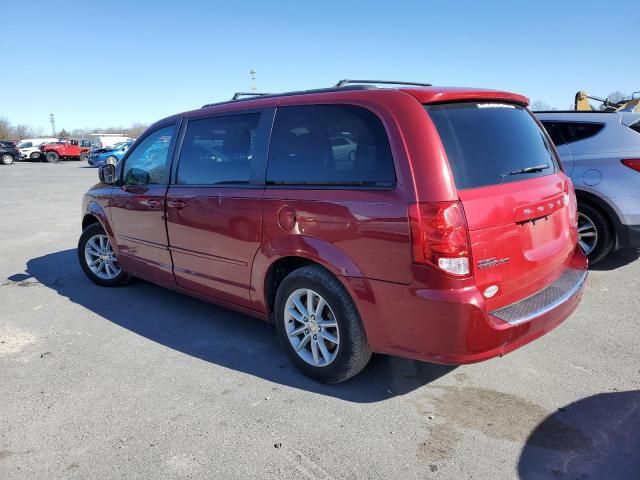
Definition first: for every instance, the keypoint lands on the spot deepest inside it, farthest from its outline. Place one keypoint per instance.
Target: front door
(137, 208)
(214, 205)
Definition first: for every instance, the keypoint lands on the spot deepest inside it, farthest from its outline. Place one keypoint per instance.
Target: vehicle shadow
(617, 259)
(215, 334)
(596, 437)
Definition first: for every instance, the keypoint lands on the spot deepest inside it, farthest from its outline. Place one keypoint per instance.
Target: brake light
(439, 236)
(633, 163)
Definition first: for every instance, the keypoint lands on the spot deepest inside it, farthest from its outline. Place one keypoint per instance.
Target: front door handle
(177, 204)
(150, 202)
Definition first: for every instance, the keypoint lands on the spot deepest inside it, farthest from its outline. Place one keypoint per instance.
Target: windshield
(492, 143)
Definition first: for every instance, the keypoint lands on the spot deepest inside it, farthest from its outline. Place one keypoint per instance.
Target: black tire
(96, 229)
(83, 157)
(6, 159)
(605, 236)
(111, 159)
(353, 351)
(52, 157)
(35, 156)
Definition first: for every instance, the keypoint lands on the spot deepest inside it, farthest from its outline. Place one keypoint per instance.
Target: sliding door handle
(177, 204)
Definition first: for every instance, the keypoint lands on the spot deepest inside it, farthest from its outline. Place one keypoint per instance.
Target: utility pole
(252, 74)
(53, 125)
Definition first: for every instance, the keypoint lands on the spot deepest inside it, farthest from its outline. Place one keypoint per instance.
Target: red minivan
(426, 222)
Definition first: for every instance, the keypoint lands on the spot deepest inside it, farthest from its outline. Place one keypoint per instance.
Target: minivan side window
(146, 164)
(329, 145)
(218, 151)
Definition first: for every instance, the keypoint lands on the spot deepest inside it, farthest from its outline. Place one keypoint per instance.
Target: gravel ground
(141, 382)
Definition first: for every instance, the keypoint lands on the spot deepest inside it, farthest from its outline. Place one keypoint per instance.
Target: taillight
(439, 236)
(633, 163)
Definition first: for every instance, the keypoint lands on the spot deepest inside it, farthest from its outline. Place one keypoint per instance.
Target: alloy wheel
(587, 234)
(100, 257)
(311, 327)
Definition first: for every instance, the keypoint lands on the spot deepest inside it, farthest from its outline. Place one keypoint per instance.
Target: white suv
(601, 153)
(30, 147)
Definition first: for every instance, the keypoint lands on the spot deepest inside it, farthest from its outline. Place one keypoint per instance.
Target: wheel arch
(94, 213)
(604, 206)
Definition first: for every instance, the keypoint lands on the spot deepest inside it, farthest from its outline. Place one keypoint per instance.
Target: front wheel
(111, 160)
(97, 259)
(319, 326)
(6, 159)
(34, 156)
(52, 157)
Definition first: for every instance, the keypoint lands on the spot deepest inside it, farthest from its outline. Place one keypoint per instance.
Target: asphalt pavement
(142, 382)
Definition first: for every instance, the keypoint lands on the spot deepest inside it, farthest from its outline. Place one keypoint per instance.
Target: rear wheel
(319, 326)
(595, 235)
(6, 159)
(52, 157)
(97, 259)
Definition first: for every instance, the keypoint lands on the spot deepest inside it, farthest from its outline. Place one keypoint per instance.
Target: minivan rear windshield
(491, 143)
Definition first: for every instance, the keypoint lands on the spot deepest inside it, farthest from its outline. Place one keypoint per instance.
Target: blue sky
(112, 63)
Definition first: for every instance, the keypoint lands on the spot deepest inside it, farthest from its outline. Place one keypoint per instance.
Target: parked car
(601, 153)
(450, 237)
(30, 147)
(100, 156)
(65, 149)
(8, 153)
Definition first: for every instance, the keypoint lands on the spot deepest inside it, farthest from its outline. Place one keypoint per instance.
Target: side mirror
(136, 176)
(107, 174)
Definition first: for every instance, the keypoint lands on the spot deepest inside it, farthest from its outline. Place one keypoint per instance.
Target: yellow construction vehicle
(628, 105)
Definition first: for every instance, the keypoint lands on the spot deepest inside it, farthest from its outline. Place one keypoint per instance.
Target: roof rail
(344, 82)
(237, 95)
(254, 96)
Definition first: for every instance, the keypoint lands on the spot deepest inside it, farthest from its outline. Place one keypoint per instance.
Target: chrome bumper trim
(545, 300)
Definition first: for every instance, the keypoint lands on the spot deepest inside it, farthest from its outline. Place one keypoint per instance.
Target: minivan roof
(425, 95)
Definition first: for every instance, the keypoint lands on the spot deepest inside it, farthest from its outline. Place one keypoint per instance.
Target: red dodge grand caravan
(426, 222)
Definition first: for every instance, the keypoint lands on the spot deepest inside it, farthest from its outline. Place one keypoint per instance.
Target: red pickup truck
(65, 149)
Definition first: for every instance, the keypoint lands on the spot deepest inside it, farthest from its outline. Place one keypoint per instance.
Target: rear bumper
(454, 326)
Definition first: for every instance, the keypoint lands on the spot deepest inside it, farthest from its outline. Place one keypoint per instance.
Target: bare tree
(136, 129)
(540, 105)
(5, 129)
(617, 96)
(22, 131)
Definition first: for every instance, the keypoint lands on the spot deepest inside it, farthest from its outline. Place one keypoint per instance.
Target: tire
(111, 159)
(107, 276)
(84, 157)
(349, 355)
(6, 159)
(34, 156)
(52, 157)
(593, 224)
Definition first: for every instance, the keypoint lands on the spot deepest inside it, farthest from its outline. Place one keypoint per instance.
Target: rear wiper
(535, 168)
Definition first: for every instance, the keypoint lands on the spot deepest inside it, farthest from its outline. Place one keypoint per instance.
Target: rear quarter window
(329, 145)
(492, 143)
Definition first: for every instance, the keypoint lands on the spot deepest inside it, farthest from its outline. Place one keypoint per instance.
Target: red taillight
(439, 236)
(633, 163)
